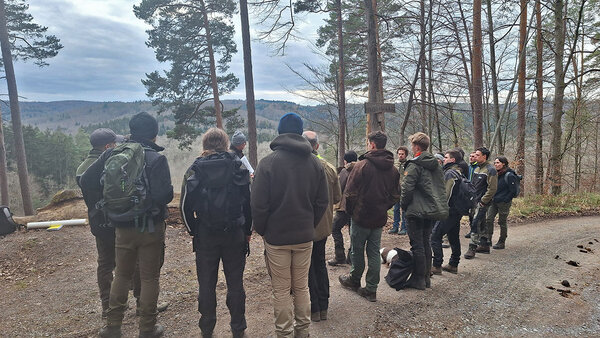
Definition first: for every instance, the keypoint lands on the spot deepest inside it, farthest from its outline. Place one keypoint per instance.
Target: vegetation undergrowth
(547, 206)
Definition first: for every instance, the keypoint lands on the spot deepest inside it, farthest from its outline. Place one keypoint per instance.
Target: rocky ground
(49, 287)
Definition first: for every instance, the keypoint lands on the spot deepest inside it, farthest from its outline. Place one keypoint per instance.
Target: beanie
(143, 125)
(103, 136)
(238, 138)
(290, 123)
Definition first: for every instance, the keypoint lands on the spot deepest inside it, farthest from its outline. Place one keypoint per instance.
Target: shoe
(239, 334)
(315, 317)
(323, 315)
(393, 231)
(369, 295)
(471, 252)
(336, 262)
(499, 245)
(402, 232)
(450, 268)
(483, 249)
(110, 332)
(468, 235)
(348, 283)
(156, 332)
(436, 270)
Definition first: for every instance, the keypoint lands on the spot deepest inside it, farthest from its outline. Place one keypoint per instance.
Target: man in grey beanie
(238, 143)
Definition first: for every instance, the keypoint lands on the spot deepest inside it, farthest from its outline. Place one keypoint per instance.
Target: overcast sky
(105, 57)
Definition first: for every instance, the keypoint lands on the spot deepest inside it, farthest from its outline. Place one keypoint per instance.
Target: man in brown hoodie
(289, 196)
(371, 190)
(318, 280)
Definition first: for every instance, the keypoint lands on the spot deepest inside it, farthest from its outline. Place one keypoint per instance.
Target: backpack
(212, 196)
(400, 270)
(7, 224)
(463, 195)
(516, 186)
(126, 195)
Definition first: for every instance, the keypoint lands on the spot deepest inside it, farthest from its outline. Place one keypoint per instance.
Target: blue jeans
(396, 223)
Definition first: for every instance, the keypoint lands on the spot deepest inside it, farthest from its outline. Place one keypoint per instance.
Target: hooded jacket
(507, 190)
(423, 188)
(372, 189)
(289, 194)
(323, 229)
(452, 173)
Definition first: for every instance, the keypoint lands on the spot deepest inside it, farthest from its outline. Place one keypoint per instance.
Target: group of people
(294, 199)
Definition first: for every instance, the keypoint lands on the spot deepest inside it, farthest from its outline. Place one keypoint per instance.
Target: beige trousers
(288, 267)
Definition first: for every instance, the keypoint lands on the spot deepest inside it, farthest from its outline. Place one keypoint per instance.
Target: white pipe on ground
(43, 225)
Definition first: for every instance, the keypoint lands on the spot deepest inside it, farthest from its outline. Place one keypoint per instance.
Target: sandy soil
(49, 288)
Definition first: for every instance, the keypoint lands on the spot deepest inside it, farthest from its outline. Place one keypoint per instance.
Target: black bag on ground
(7, 224)
(400, 270)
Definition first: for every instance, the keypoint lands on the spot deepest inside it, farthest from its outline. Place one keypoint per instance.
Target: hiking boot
(471, 252)
(162, 307)
(483, 249)
(323, 315)
(499, 245)
(393, 231)
(348, 283)
(156, 332)
(402, 232)
(110, 332)
(369, 295)
(450, 268)
(436, 270)
(468, 235)
(336, 262)
(315, 317)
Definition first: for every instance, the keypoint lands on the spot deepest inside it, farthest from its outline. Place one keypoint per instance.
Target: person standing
(238, 143)
(289, 196)
(341, 217)
(507, 190)
(424, 201)
(472, 167)
(485, 182)
(402, 153)
(451, 225)
(101, 140)
(318, 280)
(215, 207)
(372, 189)
(141, 237)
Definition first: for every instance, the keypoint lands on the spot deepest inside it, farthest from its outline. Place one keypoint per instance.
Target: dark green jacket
(423, 188)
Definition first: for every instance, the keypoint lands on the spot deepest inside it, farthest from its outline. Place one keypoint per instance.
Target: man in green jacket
(318, 280)
(424, 201)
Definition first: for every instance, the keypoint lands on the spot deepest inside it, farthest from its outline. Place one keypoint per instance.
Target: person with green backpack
(135, 183)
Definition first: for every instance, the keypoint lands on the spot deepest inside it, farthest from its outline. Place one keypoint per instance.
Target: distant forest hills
(71, 116)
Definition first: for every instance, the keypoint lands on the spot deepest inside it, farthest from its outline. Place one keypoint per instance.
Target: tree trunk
(374, 121)
(493, 71)
(423, 60)
(213, 69)
(477, 81)
(3, 176)
(520, 166)
(539, 164)
(249, 81)
(555, 161)
(341, 87)
(15, 113)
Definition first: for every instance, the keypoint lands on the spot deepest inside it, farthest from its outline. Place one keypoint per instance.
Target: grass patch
(549, 206)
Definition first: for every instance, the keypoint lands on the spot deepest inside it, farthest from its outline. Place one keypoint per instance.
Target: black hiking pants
(211, 248)
(340, 219)
(419, 234)
(318, 280)
(451, 227)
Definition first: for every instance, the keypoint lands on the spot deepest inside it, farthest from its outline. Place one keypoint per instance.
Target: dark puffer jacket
(289, 194)
(372, 189)
(423, 188)
(506, 192)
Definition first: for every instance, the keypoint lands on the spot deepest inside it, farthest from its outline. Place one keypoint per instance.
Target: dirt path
(48, 289)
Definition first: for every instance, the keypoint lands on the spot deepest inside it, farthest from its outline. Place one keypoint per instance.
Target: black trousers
(419, 234)
(318, 280)
(340, 220)
(106, 265)
(211, 248)
(450, 226)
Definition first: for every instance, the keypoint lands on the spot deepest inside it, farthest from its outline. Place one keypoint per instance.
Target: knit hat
(439, 157)
(103, 136)
(143, 125)
(290, 123)
(350, 156)
(238, 138)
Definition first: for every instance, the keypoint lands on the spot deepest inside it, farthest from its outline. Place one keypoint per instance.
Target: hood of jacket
(382, 159)
(292, 142)
(146, 143)
(426, 160)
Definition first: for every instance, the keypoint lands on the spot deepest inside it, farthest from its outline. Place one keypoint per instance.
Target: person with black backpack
(508, 188)
(135, 184)
(215, 207)
(451, 225)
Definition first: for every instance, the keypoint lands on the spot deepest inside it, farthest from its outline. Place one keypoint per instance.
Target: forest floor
(49, 287)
